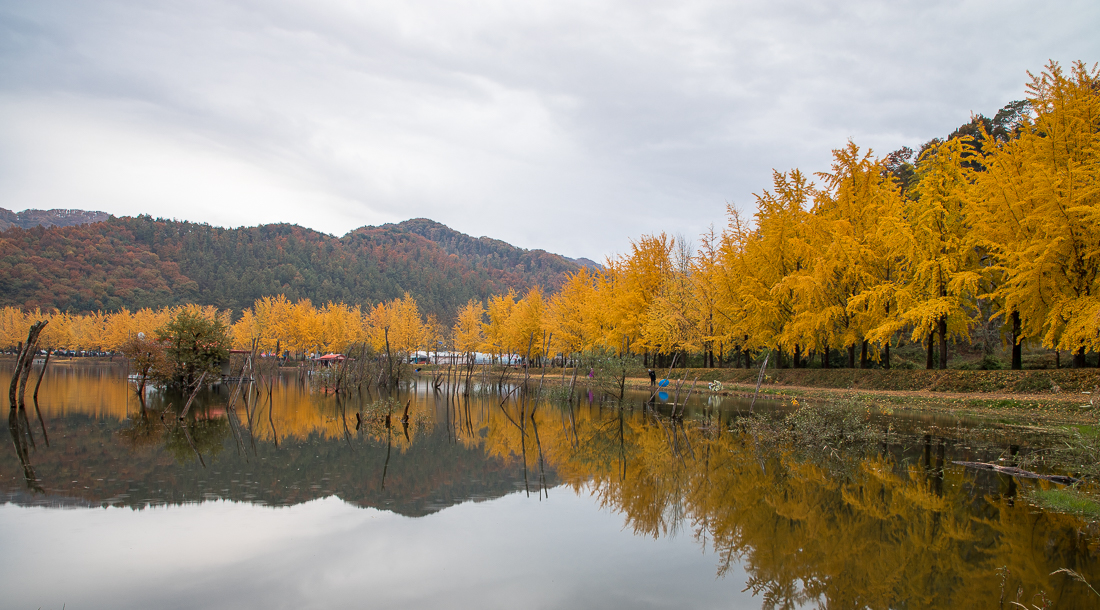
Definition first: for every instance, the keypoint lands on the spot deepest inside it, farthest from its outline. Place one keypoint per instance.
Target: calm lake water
(494, 502)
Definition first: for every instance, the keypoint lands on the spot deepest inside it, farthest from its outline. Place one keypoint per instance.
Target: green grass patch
(1088, 431)
(1068, 501)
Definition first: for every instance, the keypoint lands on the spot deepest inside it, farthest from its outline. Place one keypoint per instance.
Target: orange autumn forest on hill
(996, 226)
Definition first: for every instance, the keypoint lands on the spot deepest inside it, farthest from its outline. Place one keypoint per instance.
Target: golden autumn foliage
(990, 226)
(863, 260)
(273, 323)
(1038, 205)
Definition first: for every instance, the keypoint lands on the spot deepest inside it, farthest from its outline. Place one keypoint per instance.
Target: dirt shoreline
(1049, 408)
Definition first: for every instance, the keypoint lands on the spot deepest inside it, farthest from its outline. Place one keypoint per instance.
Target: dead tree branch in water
(41, 374)
(23, 364)
(198, 386)
(759, 380)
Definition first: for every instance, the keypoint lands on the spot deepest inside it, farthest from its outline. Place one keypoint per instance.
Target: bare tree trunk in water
(41, 375)
(23, 364)
(389, 359)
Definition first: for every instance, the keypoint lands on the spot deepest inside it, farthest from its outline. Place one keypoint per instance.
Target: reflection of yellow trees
(97, 391)
(872, 537)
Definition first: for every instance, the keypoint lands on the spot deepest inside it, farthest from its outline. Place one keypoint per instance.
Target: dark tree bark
(23, 364)
(1017, 345)
(943, 342)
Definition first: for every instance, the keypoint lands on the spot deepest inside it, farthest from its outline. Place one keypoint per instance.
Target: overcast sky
(563, 125)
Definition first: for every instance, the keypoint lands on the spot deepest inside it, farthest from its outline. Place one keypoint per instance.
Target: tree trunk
(931, 349)
(864, 363)
(1079, 358)
(1017, 345)
(852, 356)
(886, 357)
(943, 342)
(23, 364)
(825, 357)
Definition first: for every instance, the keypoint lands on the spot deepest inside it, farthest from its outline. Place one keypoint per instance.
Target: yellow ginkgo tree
(1039, 204)
(937, 242)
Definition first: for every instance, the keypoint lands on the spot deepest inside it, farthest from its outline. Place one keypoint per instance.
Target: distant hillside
(48, 218)
(587, 262)
(145, 262)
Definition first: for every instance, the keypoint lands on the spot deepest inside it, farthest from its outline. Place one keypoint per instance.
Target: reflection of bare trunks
(542, 471)
(1019, 472)
(190, 441)
(20, 433)
(386, 467)
(42, 423)
(939, 469)
(271, 420)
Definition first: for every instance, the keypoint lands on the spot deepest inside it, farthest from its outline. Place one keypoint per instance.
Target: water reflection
(902, 527)
(23, 439)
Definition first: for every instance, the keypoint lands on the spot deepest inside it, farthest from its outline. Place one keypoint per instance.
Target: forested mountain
(145, 262)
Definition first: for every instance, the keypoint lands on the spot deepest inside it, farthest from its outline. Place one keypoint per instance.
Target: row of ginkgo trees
(1000, 223)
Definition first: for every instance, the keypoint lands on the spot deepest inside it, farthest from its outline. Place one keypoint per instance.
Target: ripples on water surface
(480, 504)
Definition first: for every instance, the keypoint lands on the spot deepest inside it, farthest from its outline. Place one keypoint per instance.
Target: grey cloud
(570, 126)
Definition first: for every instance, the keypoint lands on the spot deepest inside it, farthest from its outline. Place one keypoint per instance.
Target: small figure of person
(652, 378)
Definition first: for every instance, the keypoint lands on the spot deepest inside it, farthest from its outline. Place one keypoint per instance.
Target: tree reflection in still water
(23, 438)
(901, 527)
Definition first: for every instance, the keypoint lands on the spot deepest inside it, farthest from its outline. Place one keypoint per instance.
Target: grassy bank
(950, 380)
(1038, 397)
